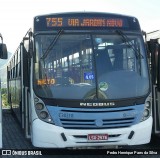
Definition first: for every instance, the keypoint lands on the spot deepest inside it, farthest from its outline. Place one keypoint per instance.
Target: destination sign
(84, 22)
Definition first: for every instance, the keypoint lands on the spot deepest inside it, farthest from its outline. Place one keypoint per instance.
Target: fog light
(39, 106)
(43, 114)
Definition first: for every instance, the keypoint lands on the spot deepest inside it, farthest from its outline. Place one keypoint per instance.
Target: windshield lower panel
(89, 66)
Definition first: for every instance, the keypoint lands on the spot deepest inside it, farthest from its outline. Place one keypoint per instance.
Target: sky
(16, 16)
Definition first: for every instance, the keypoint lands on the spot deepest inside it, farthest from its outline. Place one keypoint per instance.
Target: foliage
(4, 98)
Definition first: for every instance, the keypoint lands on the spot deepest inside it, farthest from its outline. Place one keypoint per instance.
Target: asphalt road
(14, 141)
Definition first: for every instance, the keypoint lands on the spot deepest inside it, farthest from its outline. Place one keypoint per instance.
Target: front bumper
(51, 136)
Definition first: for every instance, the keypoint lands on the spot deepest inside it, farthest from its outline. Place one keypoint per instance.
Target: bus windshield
(92, 65)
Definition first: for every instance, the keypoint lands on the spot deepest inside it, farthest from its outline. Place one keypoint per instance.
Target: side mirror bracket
(3, 49)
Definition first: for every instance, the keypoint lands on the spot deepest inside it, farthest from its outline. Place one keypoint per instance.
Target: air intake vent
(98, 119)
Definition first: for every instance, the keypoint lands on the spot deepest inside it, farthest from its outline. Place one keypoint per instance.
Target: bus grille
(96, 118)
(91, 124)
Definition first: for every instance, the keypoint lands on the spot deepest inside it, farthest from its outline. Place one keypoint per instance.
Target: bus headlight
(42, 112)
(39, 106)
(147, 111)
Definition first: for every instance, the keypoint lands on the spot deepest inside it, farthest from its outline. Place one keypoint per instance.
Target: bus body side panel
(154, 54)
(0, 118)
(14, 86)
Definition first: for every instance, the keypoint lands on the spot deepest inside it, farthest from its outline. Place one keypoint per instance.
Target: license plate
(96, 137)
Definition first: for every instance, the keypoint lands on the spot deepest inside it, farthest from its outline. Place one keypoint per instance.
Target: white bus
(3, 55)
(82, 80)
(153, 44)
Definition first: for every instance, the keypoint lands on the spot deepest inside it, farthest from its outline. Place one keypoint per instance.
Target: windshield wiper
(126, 40)
(53, 42)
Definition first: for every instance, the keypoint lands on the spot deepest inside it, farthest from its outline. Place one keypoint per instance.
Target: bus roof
(85, 13)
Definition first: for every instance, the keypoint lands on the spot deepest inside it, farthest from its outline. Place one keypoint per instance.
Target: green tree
(4, 98)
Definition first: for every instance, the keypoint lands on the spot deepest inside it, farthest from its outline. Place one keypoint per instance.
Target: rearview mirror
(3, 51)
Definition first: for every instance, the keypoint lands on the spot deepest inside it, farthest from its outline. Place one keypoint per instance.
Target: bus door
(25, 90)
(154, 49)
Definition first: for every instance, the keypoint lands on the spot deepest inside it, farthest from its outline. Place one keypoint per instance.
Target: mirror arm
(1, 37)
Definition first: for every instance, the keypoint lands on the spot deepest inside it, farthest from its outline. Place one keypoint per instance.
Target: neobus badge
(98, 104)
